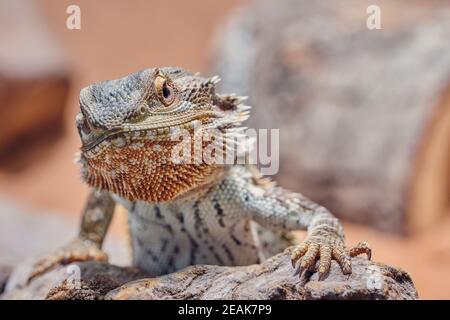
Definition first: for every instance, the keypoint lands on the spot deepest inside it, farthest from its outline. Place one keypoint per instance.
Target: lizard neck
(202, 190)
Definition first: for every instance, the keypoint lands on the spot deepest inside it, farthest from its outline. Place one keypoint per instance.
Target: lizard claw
(326, 249)
(298, 252)
(298, 271)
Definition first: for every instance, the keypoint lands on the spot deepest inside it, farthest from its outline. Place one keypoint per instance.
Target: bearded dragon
(185, 213)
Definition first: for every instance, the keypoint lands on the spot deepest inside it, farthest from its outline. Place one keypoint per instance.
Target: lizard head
(127, 131)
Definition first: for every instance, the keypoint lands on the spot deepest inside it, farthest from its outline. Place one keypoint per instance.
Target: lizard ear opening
(229, 102)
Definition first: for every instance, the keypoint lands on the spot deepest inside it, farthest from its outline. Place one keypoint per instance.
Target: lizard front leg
(275, 207)
(96, 219)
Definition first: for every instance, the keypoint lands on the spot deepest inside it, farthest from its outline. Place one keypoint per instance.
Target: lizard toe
(361, 248)
(341, 256)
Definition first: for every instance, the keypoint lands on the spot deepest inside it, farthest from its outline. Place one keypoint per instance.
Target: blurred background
(363, 113)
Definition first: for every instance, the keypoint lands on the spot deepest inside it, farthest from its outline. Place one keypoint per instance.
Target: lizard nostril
(82, 124)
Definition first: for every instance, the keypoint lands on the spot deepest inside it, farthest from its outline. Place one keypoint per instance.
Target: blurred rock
(364, 115)
(4, 275)
(272, 279)
(34, 79)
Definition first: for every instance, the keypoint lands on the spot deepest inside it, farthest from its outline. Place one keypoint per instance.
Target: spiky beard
(145, 172)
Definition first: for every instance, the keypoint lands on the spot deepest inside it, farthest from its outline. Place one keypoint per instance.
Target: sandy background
(117, 38)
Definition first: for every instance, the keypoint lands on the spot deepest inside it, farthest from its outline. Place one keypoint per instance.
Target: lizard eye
(164, 90)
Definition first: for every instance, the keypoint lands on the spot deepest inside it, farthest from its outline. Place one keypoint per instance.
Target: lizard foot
(325, 249)
(76, 250)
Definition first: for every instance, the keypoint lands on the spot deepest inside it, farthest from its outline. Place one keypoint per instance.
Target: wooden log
(364, 115)
(34, 77)
(273, 279)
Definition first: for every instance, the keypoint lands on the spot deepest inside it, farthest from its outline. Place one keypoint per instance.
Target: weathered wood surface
(273, 279)
(364, 115)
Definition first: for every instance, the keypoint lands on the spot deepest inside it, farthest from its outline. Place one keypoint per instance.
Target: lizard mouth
(94, 140)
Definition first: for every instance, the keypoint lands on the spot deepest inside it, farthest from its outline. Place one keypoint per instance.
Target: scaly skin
(186, 213)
